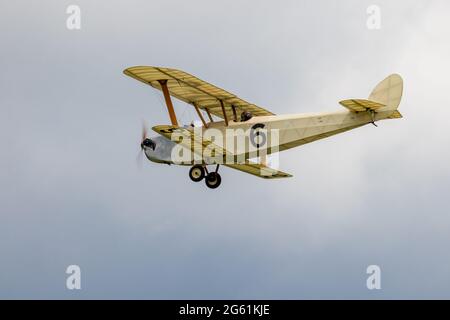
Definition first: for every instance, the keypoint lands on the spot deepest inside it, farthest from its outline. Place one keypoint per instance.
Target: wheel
(213, 180)
(197, 173)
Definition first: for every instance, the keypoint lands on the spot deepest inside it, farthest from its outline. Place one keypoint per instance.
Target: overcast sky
(70, 192)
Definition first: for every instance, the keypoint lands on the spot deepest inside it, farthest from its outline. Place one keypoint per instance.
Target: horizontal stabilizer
(395, 115)
(385, 97)
(360, 105)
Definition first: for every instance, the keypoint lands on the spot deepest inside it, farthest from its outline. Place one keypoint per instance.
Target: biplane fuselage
(236, 142)
(294, 130)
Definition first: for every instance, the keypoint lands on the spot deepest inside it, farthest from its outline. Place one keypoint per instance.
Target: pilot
(246, 115)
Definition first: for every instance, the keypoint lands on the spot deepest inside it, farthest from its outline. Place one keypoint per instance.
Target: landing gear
(197, 173)
(213, 180)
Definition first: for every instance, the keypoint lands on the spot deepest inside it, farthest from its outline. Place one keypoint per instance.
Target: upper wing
(192, 90)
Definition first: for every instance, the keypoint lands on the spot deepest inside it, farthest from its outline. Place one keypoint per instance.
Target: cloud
(71, 193)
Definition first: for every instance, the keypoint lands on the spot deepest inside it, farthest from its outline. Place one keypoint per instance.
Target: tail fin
(385, 97)
(388, 92)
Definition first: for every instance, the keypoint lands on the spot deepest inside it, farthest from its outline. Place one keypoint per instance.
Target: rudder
(388, 92)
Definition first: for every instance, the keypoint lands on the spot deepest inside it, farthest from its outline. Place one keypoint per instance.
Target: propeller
(140, 156)
(145, 143)
(143, 135)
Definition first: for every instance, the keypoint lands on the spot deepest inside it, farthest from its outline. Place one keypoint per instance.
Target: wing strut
(165, 90)
(200, 115)
(209, 115)
(234, 113)
(224, 113)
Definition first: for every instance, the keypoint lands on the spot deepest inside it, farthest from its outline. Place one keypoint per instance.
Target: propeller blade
(144, 131)
(140, 156)
(139, 159)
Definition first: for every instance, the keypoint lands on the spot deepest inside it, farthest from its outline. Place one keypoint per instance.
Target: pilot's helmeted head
(246, 115)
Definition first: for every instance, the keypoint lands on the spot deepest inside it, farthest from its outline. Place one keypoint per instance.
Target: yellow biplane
(239, 134)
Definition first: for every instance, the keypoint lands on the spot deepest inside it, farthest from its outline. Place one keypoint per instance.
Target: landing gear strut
(212, 179)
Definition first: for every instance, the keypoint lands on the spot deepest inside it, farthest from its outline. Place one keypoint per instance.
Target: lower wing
(259, 170)
(197, 143)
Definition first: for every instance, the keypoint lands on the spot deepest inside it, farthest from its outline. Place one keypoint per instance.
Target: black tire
(213, 180)
(197, 173)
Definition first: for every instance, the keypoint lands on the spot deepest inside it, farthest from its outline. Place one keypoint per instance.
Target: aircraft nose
(149, 143)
